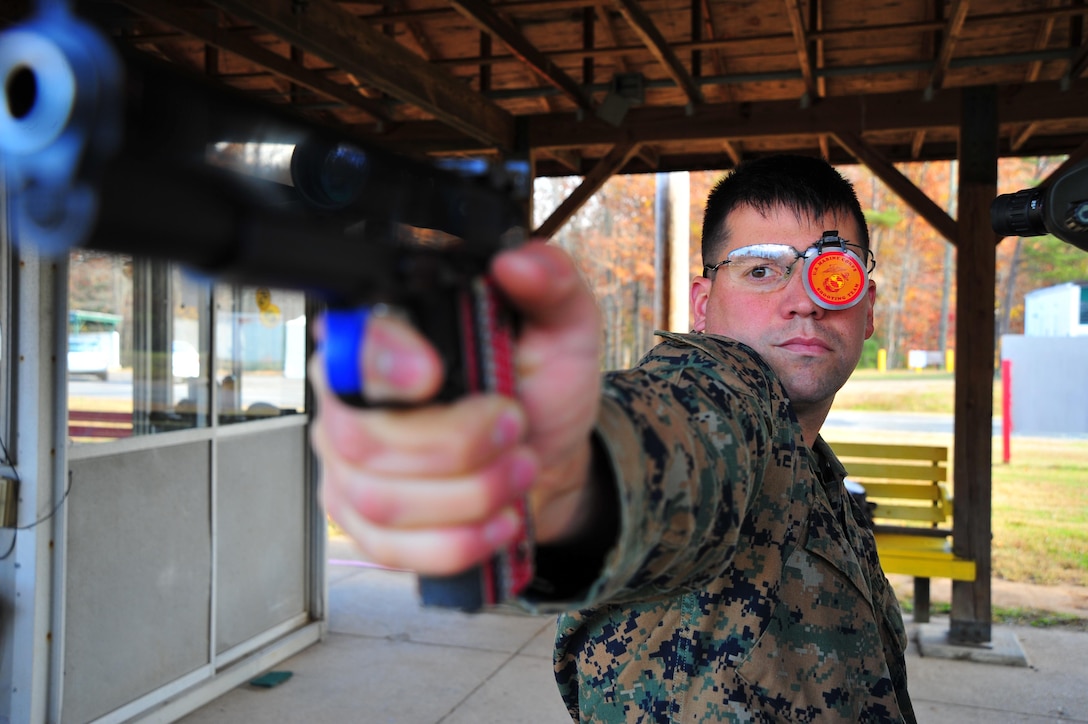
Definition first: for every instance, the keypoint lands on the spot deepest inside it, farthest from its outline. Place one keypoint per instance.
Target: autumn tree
(612, 241)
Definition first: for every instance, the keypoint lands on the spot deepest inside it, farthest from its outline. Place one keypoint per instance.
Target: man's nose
(796, 299)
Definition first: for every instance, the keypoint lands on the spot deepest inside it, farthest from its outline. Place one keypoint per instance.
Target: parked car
(94, 353)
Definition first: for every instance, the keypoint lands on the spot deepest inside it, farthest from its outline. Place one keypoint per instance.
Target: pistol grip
(475, 336)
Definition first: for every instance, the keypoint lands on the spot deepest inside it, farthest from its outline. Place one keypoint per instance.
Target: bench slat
(889, 451)
(858, 470)
(948, 566)
(925, 513)
(922, 557)
(908, 491)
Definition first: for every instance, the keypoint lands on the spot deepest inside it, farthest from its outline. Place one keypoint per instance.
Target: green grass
(903, 391)
(1012, 616)
(1040, 512)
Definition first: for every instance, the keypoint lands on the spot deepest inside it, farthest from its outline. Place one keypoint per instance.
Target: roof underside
(675, 84)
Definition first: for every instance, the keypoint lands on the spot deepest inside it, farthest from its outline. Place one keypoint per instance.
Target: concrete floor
(388, 660)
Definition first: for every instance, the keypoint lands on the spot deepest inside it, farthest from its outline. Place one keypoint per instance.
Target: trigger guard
(345, 330)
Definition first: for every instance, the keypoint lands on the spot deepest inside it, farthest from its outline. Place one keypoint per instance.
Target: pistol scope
(1060, 208)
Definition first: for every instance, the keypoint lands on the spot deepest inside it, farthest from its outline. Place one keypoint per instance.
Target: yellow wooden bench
(907, 487)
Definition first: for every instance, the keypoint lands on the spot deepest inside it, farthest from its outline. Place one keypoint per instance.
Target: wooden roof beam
(710, 33)
(1079, 64)
(609, 32)
(914, 197)
(649, 156)
(800, 41)
(485, 17)
(530, 7)
(916, 144)
(734, 150)
(571, 160)
(651, 37)
(223, 39)
(612, 162)
(1042, 39)
(736, 123)
(855, 114)
(324, 29)
(952, 30)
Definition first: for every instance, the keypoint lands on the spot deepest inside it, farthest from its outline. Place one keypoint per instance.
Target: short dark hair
(807, 185)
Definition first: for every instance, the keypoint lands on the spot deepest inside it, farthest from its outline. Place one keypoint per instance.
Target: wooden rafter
(872, 113)
(217, 37)
(1079, 64)
(485, 17)
(612, 162)
(645, 28)
(800, 41)
(322, 28)
(419, 35)
(853, 114)
(605, 25)
(732, 149)
(649, 156)
(529, 7)
(952, 30)
(755, 41)
(914, 197)
(1042, 39)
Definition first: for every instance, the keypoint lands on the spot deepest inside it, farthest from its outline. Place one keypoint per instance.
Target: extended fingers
(419, 502)
(428, 489)
(439, 440)
(436, 551)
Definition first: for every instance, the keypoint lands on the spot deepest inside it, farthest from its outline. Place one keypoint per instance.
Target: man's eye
(762, 272)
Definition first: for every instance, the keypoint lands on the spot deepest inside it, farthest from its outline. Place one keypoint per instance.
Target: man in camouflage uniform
(691, 520)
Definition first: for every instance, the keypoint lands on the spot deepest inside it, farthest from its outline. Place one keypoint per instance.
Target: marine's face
(813, 350)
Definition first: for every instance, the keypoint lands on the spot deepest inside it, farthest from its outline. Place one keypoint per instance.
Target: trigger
(344, 333)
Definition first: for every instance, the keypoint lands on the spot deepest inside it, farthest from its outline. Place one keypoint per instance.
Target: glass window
(1084, 304)
(260, 349)
(138, 336)
(140, 345)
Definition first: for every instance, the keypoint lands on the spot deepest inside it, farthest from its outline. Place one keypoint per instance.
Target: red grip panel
(488, 352)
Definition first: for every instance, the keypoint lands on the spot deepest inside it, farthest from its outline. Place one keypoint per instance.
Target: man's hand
(431, 488)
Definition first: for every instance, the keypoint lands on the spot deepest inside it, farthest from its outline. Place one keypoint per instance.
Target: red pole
(1006, 409)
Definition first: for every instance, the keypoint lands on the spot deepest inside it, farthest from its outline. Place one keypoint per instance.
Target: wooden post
(672, 222)
(975, 347)
(662, 252)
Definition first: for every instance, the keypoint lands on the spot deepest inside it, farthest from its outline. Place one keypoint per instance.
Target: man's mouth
(805, 345)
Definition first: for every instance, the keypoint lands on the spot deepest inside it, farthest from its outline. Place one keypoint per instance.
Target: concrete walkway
(388, 660)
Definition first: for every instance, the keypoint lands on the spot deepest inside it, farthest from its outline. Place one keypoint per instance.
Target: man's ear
(700, 294)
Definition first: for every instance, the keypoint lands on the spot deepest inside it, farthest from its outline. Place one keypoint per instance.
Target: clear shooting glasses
(834, 274)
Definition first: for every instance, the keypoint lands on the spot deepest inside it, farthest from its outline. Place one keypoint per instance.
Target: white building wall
(1054, 312)
(1049, 384)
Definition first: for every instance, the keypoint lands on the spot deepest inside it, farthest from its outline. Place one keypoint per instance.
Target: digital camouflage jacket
(744, 586)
